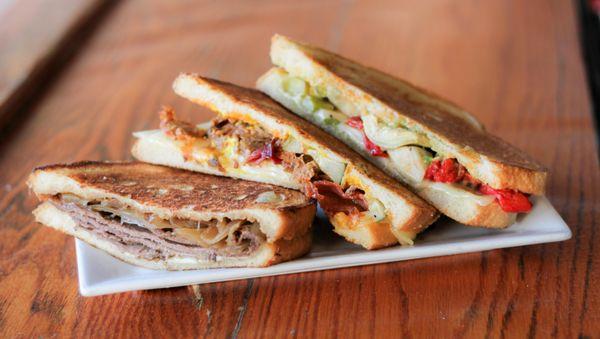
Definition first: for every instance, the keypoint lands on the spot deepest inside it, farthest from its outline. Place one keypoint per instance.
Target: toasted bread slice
(462, 205)
(72, 192)
(452, 132)
(408, 214)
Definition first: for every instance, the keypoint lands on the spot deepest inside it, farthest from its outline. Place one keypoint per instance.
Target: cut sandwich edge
(268, 254)
(284, 222)
(466, 211)
(294, 59)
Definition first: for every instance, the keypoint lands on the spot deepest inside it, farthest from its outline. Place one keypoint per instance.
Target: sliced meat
(156, 242)
(303, 168)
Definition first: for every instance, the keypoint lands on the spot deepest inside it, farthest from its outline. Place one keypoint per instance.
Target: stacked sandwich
(380, 156)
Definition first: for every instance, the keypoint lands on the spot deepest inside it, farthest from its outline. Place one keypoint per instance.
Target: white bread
(168, 154)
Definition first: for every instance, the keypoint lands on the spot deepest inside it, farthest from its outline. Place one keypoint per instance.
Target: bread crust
(488, 158)
(370, 236)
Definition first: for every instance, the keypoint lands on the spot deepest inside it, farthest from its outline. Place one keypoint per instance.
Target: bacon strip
(333, 199)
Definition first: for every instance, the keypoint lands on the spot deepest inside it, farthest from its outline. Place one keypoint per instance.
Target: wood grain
(516, 64)
(38, 37)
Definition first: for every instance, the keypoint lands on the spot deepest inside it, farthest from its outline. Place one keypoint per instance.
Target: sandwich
(165, 218)
(435, 147)
(255, 138)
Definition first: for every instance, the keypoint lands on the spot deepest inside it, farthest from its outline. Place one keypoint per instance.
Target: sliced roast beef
(150, 241)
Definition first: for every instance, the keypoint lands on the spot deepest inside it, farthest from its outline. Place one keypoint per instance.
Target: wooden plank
(38, 37)
(516, 64)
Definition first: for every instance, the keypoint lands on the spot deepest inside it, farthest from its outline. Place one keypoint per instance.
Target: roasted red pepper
(450, 171)
(447, 171)
(355, 122)
(509, 200)
(270, 150)
(374, 150)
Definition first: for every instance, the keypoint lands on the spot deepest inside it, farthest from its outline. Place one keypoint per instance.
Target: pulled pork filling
(250, 139)
(176, 129)
(255, 145)
(150, 237)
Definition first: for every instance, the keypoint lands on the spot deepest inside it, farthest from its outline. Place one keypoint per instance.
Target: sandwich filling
(151, 237)
(235, 146)
(407, 153)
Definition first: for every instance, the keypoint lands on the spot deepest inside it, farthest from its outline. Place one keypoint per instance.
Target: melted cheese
(456, 192)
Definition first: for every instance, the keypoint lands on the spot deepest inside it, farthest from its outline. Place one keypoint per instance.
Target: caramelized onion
(202, 233)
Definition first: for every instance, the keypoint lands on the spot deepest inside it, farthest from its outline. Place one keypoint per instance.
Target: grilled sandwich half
(255, 138)
(438, 149)
(164, 218)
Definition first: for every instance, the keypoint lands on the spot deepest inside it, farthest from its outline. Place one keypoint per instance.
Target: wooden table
(516, 64)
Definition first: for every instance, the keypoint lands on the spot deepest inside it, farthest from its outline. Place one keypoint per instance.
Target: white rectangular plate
(99, 273)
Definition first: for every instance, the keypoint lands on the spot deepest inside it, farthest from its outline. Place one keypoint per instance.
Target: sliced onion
(390, 137)
(410, 162)
(234, 226)
(377, 210)
(188, 229)
(334, 169)
(205, 126)
(128, 216)
(404, 238)
(292, 145)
